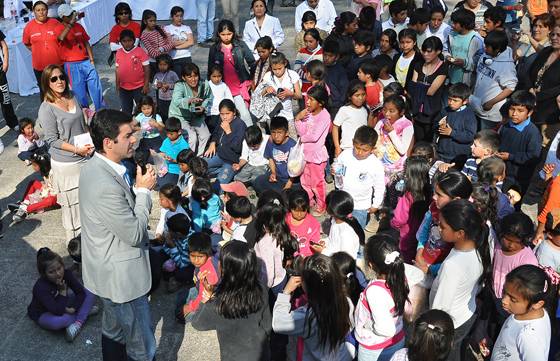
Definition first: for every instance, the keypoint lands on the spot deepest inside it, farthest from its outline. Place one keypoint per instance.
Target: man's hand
(147, 180)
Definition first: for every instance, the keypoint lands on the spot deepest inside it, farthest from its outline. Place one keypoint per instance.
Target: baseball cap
(65, 10)
(235, 187)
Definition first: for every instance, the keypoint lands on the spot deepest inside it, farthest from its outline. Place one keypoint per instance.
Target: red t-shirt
(373, 94)
(130, 66)
(73, 48)
(114, 35)
(42, 39)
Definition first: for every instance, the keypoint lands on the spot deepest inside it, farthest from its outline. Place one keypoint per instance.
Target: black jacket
(546, 111)
(418, 58)
(241, 55)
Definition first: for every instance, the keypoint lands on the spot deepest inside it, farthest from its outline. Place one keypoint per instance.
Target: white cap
(65, 10)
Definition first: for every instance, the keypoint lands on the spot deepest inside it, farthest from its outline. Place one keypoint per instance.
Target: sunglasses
(54, 79)
(123, 13)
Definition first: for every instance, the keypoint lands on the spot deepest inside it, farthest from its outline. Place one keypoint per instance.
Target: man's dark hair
(459, 90)
(464, 17)
(420, 16)
(331, 46)
(497, 40)
(496, 14)
(106, 124)
(523, 98)
(279, 123)
(365, 135)
(364, 37)
(397, 6)
(173, 124)
(201, 242)
(253, 136)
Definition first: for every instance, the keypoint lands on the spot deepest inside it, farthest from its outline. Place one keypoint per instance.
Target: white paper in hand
(82, 140)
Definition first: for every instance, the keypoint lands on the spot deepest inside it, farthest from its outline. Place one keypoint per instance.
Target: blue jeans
(84, 80)
(206, 10)
(129, 323)
(361, 216)
(220, 169)
(379, 355)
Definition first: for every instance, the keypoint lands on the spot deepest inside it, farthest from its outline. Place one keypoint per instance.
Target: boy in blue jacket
(455, 131)
(338, 85)
(520, 142)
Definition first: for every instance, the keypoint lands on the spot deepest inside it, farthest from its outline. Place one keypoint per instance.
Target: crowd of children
(370, 199)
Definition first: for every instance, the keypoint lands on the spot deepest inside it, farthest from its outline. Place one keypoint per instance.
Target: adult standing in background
(53, 6)
(61, 119)
(115, 263)
(206, 11)
(231, 11)
(262, 25)
(77, 55)
(40, 38)
(323, 9)
(6, 100)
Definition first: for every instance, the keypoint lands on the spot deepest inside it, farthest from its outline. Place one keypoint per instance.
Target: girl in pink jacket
(312, 125)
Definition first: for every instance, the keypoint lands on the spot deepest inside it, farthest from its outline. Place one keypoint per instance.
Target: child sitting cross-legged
(252, 162)
(59, 299)
(200, 256)
(178, 268)
(28, 141)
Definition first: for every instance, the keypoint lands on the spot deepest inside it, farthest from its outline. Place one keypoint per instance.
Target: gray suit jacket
(115, 263)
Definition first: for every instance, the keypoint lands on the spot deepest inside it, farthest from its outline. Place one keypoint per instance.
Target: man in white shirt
(323, 9)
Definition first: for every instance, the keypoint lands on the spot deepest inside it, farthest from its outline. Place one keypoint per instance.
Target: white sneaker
(72, 331)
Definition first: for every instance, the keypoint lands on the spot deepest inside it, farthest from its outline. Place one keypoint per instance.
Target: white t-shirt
(523, 340)
(219, 93)
(179, 33)
(165, 214)
(455, 288)
(363, 179)
(238, 233)
(548, 254)
(255, 157)
(288, 81)
(342, 238)
(349, 119)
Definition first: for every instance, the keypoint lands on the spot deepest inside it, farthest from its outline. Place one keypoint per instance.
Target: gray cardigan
(58, 127)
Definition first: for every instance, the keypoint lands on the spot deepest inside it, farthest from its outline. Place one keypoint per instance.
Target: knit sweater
(156, 44)
(180, 253)
(463, 127)
(524, 148)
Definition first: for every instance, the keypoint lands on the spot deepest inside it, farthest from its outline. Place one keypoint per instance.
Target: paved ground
(21, 339)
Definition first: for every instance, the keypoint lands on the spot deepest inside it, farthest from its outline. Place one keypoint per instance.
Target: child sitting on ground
(252, 162)
(198, 168)
(277, 151)
(170, 148)
(28, 141)
(240, 212)
(206, 210)
(169, 201)
(39, 195)
(200, 255)
(150, 123)
(178, 268)
(59, 300)
(185, 174)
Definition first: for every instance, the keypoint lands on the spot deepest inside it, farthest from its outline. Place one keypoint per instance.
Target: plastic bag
(296, 160)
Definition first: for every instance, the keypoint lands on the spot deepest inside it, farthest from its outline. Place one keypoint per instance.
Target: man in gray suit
(115, 263)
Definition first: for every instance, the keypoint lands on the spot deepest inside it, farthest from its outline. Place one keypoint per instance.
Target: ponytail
(340, 206)
(383, 256)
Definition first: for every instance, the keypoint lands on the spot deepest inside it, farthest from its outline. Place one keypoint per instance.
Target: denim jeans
(129, 323)
(362, 216)
(128, 98)
(206, 10)
(220, 169)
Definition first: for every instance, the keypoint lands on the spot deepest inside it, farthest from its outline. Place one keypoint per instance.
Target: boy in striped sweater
(178, 269)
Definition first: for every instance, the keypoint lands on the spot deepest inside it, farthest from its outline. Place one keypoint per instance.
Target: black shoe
(204, 45)
(13, 207)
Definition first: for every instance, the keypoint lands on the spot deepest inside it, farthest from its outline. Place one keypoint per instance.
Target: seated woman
(39, 195)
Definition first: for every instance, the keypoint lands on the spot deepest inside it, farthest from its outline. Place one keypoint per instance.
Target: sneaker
(73, 330)
(13, 207)
(19, 216)
(94, 310)
(204, 45)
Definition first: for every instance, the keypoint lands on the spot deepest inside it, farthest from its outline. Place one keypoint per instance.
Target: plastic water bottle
(399, 186)
(339, 170)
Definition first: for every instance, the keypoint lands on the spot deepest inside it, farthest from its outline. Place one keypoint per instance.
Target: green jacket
(180, 107)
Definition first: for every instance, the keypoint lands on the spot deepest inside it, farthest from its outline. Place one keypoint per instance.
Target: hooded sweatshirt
(492, 76)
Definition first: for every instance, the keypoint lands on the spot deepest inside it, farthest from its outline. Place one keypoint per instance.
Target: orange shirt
(553, 200)
(537, 7)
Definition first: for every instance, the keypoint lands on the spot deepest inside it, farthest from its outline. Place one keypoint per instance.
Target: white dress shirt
(325, 13)
(270, 27)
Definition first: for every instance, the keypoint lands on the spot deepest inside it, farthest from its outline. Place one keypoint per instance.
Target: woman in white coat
(262, 25)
